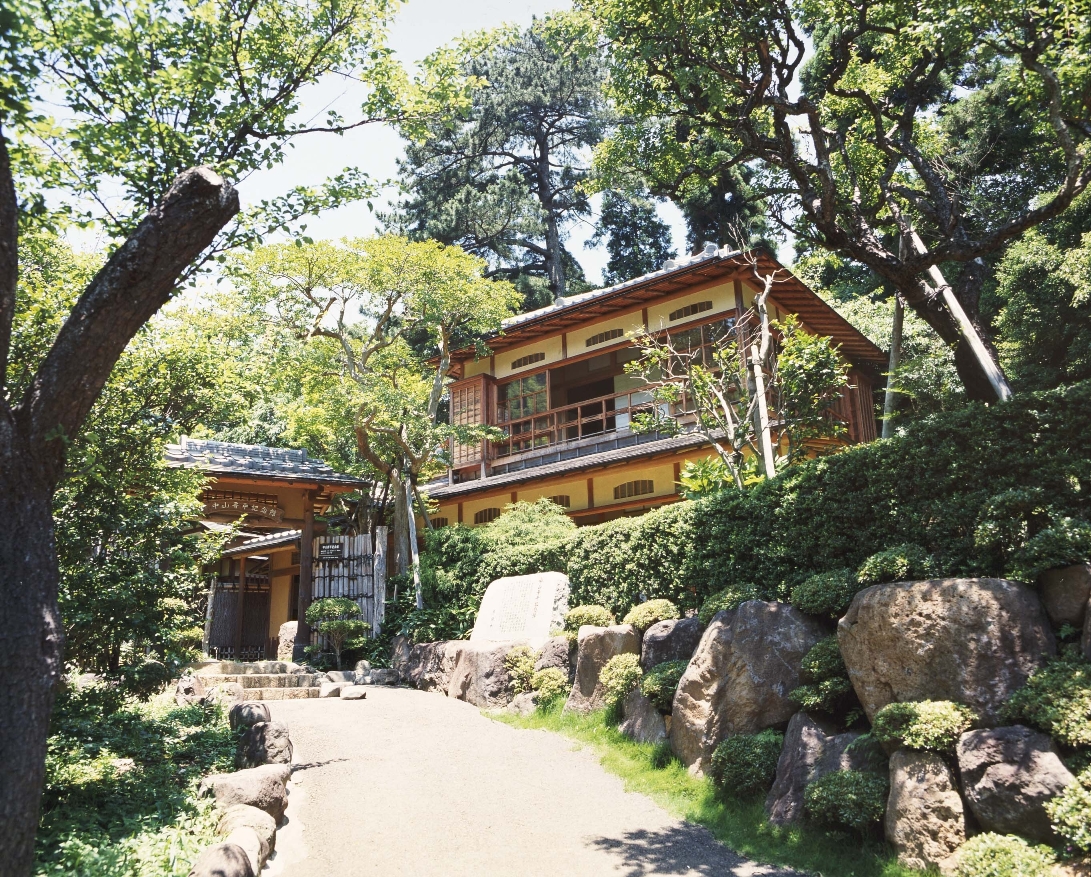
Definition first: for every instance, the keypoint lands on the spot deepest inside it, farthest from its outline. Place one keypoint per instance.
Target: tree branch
(139, 279)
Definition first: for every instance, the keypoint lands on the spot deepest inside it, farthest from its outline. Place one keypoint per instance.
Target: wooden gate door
(349, 566)
(255, 622)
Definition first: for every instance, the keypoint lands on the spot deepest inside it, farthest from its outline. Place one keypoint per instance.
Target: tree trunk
(31, 643)
(402, 557)
(554, 263)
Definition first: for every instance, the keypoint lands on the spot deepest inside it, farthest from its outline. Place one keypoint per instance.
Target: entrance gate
(349, 566)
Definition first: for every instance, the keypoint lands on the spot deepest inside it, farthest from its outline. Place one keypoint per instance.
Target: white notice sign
(522, 609)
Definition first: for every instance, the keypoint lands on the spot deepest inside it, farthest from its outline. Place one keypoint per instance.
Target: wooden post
(241, 605)
(306, 577)
(414, 557)
(379, 578)
(895, 358)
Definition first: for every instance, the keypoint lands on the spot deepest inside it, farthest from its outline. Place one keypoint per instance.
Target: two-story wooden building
(555, 384)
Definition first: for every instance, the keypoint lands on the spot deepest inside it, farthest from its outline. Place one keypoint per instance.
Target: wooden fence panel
(349, 566)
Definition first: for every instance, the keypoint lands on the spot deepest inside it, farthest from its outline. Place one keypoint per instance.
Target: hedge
(971, 488)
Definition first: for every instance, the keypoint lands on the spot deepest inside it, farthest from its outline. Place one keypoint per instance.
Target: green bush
(646, 614)
(847, 799)
(1002, 855)
(596, 616)
(519, 663)
(897, 564)
(731, 597)
(745, 765)
(551, 685)
(826, 687)
(621, 674)
(1064, 543)
(931, 725)
(1057, 700)
(661, 682)
(1070, 813)
(338, 620)
(827, 594)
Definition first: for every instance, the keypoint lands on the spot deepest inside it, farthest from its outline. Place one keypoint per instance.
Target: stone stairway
(261, 680)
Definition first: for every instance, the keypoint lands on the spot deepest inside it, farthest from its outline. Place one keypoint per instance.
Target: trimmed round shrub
(1070, 813)
(729, 598)
(930, 725)
(827, 593)
(621, 675)
(646, 614)
(1002, 855)
(898, 564)
(661, 682)
(1057, 700)
(826, 687)
(520, 666)
(745, 765)
(847, 799)
(551, 685)
(577, 617)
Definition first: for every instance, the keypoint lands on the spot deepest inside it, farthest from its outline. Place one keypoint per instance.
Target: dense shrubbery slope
(1000, 490)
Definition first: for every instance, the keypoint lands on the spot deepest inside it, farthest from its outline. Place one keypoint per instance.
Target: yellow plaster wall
(575, 488)
(280, 576)
(577, 340)
(660, 472)
(722, 297)
(551, 347)
(477, 367)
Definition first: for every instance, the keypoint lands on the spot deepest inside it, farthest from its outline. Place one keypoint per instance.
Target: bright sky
(421, 27)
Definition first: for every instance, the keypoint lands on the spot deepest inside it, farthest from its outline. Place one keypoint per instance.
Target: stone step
(281, 693)
(236, 668)
(265, 680)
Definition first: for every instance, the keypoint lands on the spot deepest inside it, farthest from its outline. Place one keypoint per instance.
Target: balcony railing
(570, 423)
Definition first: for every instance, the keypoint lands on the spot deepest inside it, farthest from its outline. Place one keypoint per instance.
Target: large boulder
(262, 787)
(188, 690)
(480, 677)
(247, 713)
(643, 722)
(263, 743)
(379, 676)
(343, 677)
(1008, 774)
(740, 678)
(557, 654)
(523, 704)
(286, 640)
(222, 860)
(244, 818)
(972, 641)
(399, 655)
(925, 821)
(595, 647)
(430, 665)
(811, 750)
(674, 640)
(1065, 593)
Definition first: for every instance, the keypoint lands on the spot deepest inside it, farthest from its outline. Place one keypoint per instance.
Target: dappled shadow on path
(309, 765)
(684, 849)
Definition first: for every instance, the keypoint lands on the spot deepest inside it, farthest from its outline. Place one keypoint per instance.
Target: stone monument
(522, 609)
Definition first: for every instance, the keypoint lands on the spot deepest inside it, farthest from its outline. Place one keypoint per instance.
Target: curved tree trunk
(403, 560)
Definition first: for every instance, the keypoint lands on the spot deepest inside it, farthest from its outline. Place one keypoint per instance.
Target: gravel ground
(411, 783)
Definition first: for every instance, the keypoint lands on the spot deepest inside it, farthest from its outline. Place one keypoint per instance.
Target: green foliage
(745, 765)
(704, 477)
(850, 799)
(519, 663)
(621, 675)
(121, 780)
(931, 725)
(596, 616)
(1003, 855)
(646, 614)
(1070, 812)
(551, 685)
(826, 687)
(637, 240)
(828, 593)
(898, 564)
(661, 682)
(731, 597)
(338, 620)
(1057, 700)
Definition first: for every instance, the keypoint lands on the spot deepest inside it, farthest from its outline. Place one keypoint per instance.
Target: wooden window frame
(529, 359)
(639, 487)
(486, 516)
(697, 307)
(603, 337)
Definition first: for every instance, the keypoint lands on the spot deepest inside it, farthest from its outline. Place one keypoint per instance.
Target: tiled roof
(229, 458)
(635, 451)
(273, 540)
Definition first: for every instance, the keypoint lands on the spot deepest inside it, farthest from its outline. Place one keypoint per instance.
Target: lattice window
(522, 397)
(603, 337)
(561, 499)
(440, 522)
(485, 516)
(689, 310)
(467, 410)
(633, 488)
(529, 359)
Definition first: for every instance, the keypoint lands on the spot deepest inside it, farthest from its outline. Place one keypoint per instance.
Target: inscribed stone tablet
(522, 609)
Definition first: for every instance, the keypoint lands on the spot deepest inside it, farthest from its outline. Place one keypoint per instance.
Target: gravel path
(415, 784)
